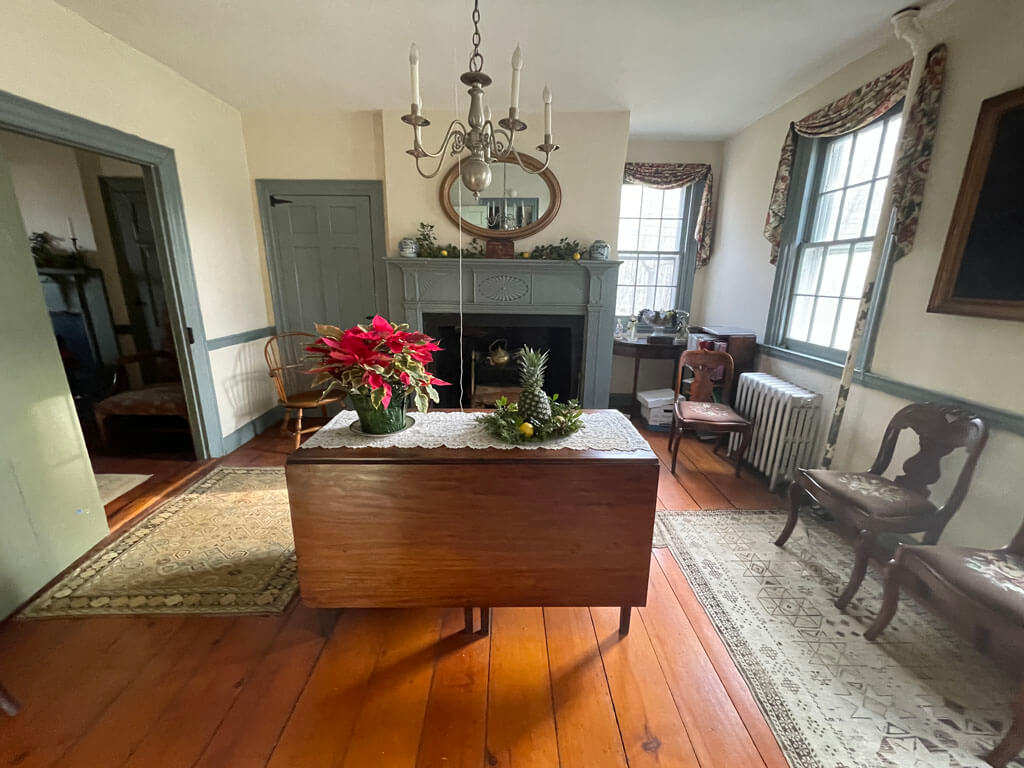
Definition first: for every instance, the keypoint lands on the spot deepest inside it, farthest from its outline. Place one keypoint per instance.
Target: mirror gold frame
(483, 233)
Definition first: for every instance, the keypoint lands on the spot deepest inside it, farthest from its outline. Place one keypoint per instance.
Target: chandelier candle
(478, 135)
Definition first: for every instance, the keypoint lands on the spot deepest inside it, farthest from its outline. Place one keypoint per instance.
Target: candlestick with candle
(547, 112)
(517, 65)
(414, 74)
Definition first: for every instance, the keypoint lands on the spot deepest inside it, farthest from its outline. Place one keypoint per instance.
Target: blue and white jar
(600, 250)
(408, 247)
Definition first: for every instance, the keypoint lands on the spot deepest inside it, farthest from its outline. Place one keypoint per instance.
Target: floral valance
(674, 176)
(856, 110)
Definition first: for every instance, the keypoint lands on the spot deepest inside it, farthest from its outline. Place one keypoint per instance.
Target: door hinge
(189, 335)
(276, 201)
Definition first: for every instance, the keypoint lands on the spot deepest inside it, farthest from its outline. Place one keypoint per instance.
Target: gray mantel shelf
(518, 286)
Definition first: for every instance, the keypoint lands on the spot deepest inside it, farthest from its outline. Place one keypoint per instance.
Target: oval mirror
(517, 204)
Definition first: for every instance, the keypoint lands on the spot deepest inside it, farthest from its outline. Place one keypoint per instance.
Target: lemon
(526, 254)
(526, 428)
(444, 253)
(576, 257)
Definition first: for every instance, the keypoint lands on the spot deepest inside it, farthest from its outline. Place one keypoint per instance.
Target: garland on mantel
(429, 248)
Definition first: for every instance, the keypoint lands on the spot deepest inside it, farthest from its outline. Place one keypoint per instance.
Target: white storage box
(652, 398)
(658, 416)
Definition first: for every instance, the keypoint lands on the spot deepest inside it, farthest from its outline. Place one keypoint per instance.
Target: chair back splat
(285, 355)
(705, 363)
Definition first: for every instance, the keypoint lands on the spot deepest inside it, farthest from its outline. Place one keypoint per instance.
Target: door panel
(322, 258)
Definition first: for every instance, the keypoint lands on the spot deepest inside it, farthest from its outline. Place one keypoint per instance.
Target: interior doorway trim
(160, 176)
(373, 189)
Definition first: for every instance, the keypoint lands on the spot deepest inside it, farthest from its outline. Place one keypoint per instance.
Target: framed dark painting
(982, 267)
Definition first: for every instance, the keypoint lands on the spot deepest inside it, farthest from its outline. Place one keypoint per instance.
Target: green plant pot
(380, 421)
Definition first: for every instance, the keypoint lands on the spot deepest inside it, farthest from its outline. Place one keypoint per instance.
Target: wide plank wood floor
(547, 687)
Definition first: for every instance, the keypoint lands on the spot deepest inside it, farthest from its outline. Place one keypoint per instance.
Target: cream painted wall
(658, 374)
(43, 49)
(972, 358)
(243, 384)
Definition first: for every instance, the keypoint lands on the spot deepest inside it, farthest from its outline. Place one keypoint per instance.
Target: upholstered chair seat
(878, 503)
(718, 414)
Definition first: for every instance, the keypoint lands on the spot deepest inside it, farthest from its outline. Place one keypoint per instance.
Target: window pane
(649, 229)
(800, 318)
(892, 132)
(644, 299)
(627, 272)
(826, 216)
(624, 300)
(673, 207)
(630, 203)
(865, 153)
(824, 320)
(666, 270)
(834, 271)
(647, 270)
(670, 231)
(855, 208)
(847, 319)
(628, 231)
(665, 298)
(858, 270)
(651, 206)
(837, 157)
(807, 275)
(875, 210)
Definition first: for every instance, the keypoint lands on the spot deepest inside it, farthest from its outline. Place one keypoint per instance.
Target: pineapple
(534, 404)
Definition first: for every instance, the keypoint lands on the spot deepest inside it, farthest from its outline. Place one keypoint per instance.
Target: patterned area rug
(224, 546)
(114, 486)
(919, 696)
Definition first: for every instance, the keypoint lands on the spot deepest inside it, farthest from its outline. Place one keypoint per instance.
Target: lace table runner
(602, 431)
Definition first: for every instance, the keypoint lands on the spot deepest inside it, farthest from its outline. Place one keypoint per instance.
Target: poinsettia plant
(378, 360)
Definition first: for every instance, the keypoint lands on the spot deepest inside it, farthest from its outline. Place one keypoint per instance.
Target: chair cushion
(894, 507)
(156, 400)
(993, 578)
(708, 413)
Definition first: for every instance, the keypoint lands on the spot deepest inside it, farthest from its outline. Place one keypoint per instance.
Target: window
(652, 248)
(844, 189)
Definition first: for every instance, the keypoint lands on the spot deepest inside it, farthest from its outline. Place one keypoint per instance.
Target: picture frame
(981, 272)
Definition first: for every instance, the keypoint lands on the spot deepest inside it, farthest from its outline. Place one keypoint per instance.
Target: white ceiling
(684, 68)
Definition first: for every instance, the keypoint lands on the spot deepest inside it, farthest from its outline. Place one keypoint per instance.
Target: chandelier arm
(519, 160)
(456, 127)
(437, 170)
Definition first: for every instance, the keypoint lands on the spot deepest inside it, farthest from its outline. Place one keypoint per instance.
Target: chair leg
(860, 569)
(1013, 741)
(796, 495)
(675, 449)
(284, 422)
(8, 704)
(744, 444)
(298, 427)
(890, 600)
(323, 412)
(672, 433)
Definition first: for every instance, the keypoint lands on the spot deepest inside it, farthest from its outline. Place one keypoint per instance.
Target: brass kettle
(498, 354)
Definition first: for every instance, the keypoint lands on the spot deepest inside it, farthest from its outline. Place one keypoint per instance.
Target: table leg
(469, 620)
(485, 620)
(327, 617)
(634, 409)
(624, 615)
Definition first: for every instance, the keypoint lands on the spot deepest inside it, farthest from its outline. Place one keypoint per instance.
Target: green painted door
(50, 510)
(322, 259)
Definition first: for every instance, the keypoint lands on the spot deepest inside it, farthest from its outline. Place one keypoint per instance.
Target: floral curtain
(852, 112)
(915, 153)
(674, 176)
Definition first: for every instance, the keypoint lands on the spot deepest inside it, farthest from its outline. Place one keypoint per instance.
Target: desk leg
(485, 620)
(327, 618)
(469, 621)
(624, 615)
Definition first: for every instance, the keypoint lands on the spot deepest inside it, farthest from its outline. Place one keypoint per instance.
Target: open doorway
(89, 223)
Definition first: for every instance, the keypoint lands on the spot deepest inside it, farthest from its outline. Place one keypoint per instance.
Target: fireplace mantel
(518, 286)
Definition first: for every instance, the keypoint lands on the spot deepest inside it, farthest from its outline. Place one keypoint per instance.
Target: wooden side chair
(981, 592)
(875, 504)
(285, 359)
(8, 704)
(699, 413)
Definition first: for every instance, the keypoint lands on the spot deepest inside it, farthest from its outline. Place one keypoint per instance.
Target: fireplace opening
(484, 381)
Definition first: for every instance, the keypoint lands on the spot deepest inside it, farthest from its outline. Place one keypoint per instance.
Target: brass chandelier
(484, 142)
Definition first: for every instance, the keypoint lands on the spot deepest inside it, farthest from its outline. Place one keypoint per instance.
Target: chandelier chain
(476, 60)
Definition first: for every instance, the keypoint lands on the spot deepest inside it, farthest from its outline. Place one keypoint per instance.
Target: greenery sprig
(505, 423)
(429, 248)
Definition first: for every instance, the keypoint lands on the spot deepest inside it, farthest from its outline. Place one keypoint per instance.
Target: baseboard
(245, 433)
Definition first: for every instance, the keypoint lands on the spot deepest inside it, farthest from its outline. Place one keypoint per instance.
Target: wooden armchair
(875, 504)
(982, 592)
(285, 359)
(699, 413)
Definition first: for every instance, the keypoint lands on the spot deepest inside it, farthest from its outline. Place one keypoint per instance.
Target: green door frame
(160, 176)
(374, 190)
